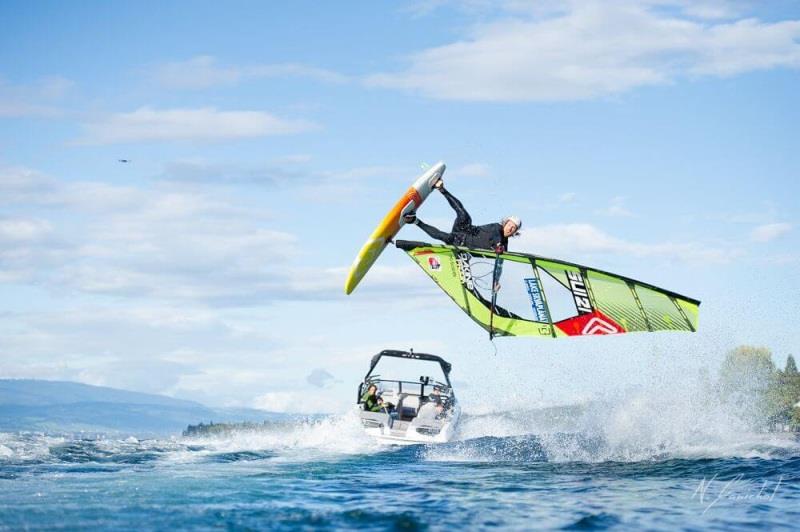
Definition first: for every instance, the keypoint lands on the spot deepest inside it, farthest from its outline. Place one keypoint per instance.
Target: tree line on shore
(749, 379)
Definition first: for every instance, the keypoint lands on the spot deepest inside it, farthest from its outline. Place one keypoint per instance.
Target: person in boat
(490, 236)
(370, 399)
(373, 402)
(436, 399)
(433, 407)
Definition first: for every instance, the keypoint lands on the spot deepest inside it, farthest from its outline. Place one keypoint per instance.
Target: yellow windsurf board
(391, 225)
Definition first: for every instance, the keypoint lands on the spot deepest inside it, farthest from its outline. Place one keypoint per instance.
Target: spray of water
(299, 440)
(687, 420)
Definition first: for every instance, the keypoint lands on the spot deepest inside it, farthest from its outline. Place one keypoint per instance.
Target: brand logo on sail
(589, 324)
(599, 326)
(433, 263)
(579, 292)
(464, 270)
(537, 300)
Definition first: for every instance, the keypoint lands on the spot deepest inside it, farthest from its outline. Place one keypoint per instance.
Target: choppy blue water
(325, 475)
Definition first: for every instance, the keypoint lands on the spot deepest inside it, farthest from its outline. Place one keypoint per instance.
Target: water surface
(324, 474)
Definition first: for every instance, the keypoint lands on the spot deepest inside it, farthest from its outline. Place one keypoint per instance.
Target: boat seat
(407, 406)
(430, 417)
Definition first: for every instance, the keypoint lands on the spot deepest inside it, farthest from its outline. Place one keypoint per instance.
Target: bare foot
(439, 184)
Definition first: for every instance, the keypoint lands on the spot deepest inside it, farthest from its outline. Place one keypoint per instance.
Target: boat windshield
(408, 387)
(396, 373)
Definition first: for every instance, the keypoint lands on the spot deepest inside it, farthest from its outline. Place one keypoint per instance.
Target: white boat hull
(391, 432)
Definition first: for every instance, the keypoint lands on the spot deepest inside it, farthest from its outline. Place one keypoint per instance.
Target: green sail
(549, 298)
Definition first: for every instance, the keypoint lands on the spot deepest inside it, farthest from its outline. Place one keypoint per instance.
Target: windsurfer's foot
(439, 184)
(410, 218)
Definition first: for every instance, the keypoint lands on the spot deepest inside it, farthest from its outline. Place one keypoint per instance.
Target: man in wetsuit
(490, 236)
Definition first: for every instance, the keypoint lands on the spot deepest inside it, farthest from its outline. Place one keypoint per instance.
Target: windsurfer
(490, 236)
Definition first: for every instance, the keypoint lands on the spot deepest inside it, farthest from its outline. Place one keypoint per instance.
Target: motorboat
(406, 410)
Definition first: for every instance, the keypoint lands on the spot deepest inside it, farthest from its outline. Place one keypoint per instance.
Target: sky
(657, 139)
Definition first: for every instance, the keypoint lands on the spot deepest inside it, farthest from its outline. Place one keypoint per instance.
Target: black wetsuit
(488, 236)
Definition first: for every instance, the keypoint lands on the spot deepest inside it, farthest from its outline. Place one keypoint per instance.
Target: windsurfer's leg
(463, 219)
(433, 232)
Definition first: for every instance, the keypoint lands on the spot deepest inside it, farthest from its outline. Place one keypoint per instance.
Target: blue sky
(657, 139)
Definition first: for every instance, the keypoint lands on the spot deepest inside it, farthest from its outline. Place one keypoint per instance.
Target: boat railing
(420, 388)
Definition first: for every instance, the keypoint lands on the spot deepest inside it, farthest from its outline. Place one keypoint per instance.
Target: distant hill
(59, 406)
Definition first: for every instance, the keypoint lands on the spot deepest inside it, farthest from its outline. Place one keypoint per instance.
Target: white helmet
(514, 219)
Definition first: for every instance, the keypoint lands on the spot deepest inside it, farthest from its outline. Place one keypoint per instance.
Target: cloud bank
(163, 243)
(203, 72)
(560, 51)
(147, 124)
(563, 240)
(768, 232)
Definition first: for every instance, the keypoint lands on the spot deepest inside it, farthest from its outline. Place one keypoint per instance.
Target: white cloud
(380, 281)
(567, 197)
(320, 377)
(779, 259)
(120, 345)
(17, 109)
(298, 402)
(473, 170)
(342, 186)
(165, 243)
(197, 73)
(24, 244)
(37, 99)
(218, 173)
(365, 173)
(27, 242)
(296, 70)
(18, 184)
(616, 209)
(580, 50)
(54, 87)
(701, 9)
(148, 124)
(279, 401)
(296, 158)
(155, 242)
(202, 72)
(564, 240)
(766, 214)
(747, 45)
(12, 229)
(181, 246)
(768, 232)
(707, 9)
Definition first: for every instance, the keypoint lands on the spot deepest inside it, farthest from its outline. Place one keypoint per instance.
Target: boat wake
(325, 473)
(635, 427)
